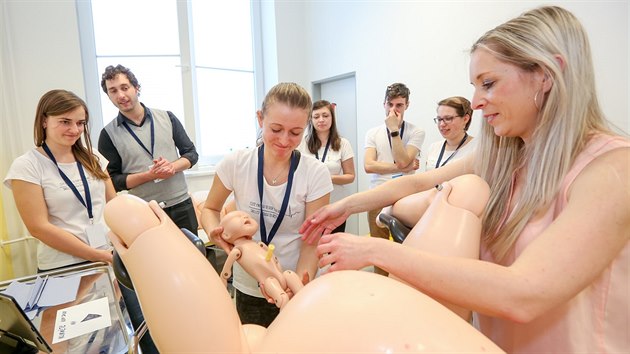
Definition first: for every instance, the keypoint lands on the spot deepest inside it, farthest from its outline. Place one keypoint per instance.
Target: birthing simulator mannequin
(188, 310)
(256, 258)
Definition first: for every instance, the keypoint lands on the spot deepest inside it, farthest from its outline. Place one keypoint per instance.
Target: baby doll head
(237, 224)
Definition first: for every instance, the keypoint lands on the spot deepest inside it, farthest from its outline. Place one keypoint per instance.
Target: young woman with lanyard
(60, 187)
(276, 185)
(454, 116)
(322, 140)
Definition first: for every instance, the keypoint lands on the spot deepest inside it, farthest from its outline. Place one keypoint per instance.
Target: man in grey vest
(147, 149)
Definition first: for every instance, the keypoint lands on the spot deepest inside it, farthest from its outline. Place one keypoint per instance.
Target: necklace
(275, 179)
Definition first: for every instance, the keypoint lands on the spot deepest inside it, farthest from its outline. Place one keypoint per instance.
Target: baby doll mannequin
(256, 258)
(188, 310)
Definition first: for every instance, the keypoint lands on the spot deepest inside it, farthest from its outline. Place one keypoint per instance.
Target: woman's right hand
(323, 222)
(215, 237)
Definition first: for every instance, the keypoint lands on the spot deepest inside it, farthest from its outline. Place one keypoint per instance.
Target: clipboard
(17, 332)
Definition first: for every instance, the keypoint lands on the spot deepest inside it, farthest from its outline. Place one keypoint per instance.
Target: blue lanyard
(88, 198)
(295, 158)
(437, 164)
(325, 151)
(138, 139)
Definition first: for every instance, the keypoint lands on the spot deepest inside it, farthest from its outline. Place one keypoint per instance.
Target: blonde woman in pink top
(554, 270)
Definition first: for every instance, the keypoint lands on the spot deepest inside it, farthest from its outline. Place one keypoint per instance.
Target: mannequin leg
(451, 225)
(275, 290)
(165, 267)
(293, 281)
(410, 208)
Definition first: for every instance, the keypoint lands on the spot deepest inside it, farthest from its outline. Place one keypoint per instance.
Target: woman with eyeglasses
(453, 120)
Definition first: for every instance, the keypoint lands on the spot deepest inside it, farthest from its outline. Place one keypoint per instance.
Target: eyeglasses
(446, 119)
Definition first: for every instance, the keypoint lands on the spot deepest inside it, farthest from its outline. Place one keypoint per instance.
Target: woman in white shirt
(322, 141)
(60, 187)
(454, 116)
(276, 185)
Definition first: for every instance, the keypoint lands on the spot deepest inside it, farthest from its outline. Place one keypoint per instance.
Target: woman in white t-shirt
(60, 187)
(322, 141)
(454, 116)
(277, 186)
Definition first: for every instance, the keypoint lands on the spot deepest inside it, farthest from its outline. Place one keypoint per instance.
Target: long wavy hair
(57, 102)
(569, 113)
(312, 140)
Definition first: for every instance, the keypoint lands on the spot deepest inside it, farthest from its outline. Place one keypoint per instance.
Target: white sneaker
(386, 210)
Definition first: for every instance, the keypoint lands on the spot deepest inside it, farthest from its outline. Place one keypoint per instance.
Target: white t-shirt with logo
(239, 173)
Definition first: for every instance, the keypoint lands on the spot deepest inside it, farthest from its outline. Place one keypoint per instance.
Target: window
(194, 58)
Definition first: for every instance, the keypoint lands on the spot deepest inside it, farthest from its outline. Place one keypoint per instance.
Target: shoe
(385, 211)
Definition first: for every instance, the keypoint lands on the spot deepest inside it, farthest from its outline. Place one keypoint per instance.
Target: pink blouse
(596, 320)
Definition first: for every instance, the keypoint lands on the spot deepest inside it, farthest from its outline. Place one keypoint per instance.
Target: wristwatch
(394, 134)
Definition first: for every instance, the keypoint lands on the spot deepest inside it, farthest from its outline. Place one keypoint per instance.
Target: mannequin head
(237, 224)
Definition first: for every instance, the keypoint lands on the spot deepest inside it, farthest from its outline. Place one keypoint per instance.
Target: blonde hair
(290, 94)
(568, 114)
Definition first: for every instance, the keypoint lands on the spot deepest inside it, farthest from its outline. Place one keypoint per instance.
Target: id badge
(96, 235)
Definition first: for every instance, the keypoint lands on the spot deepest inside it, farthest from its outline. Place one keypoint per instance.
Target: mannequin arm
(226, 272)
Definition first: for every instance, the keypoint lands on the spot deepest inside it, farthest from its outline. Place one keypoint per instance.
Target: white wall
(40, 52)
(425, 45)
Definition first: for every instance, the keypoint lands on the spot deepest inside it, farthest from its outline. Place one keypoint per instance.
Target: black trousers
(183, 215)
(255, 310)
(340, 228)
(135, 315)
